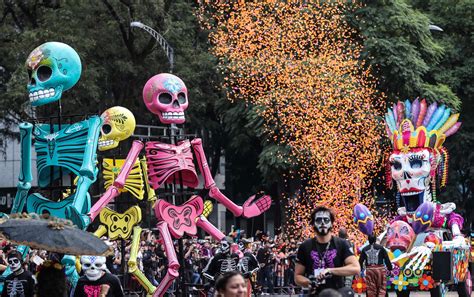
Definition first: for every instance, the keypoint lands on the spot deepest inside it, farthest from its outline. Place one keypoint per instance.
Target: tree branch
(125, 36)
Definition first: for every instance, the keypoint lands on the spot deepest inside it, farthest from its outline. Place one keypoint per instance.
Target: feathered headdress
(417, 125)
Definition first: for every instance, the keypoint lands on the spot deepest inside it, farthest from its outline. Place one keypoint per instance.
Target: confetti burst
(299, 62)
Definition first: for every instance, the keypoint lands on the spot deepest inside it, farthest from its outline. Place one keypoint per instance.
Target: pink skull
(166, 95)
(400, 235)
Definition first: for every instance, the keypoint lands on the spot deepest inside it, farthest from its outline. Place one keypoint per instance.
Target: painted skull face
(400, 235)
(411, 171)
(322, 222)
(224, 247)
(93, 266)
(53, 68)
(14, 263)
(166, 96)
(119, 124)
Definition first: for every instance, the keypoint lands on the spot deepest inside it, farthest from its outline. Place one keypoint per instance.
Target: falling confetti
(299, 62)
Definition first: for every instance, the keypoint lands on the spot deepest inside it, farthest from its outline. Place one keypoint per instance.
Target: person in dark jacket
(376, 261)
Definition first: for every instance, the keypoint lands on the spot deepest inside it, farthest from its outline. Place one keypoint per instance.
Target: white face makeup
(322, 222)
(14, 263)
(225, 247)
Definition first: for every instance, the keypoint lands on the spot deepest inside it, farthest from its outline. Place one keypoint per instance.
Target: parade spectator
(231, 284)
(20, 282)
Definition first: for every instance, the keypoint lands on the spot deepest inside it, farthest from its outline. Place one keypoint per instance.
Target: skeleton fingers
(419, 257)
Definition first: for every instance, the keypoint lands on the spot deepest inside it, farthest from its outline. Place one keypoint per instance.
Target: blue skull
(53, 68)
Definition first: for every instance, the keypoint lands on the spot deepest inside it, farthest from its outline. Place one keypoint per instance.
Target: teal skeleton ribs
(74, 148)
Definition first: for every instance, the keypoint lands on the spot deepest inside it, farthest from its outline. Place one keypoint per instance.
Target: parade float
(424, 240)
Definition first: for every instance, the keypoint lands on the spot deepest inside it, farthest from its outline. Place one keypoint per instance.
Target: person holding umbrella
(20, 282)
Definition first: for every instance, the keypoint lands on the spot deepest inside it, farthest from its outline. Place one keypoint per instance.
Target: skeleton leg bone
(132, 262)
(173, 264)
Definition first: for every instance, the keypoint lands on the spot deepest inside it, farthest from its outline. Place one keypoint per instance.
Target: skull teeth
(105, 143)
(410, 193)
(40, 94)
(173, 115)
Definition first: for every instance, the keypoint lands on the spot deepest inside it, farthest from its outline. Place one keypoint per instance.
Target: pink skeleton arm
(251, 208)
(113, 191)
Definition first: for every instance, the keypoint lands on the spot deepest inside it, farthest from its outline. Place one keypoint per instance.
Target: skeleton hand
(254, 207)
(420, 256)
(402, 211)
(447, 208)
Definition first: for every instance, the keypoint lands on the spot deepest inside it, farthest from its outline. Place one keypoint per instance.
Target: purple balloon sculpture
(364, 219)
(423, 217)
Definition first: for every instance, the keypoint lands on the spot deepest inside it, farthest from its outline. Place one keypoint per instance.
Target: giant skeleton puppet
(53, 68)
(418, 164)
(166, 96)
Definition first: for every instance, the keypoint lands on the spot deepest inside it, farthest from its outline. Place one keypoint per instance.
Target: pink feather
(422, 114)
(453, 129)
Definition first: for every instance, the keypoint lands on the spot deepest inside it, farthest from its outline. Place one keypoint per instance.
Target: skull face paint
(224, 247)
(93, 266)
(14, 263)
(322, 222)
(411, 171)
(53, 68)
(166, 96)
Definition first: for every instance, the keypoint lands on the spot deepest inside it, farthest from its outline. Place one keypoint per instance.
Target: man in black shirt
(373, 257)
(325, 257)
(20, 282)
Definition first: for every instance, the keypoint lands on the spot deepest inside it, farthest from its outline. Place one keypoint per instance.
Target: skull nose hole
(32, 82)
(175, 104)
(106, 128)
(44, 73)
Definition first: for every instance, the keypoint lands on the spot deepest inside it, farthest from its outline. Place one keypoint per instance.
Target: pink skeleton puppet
(166, 96)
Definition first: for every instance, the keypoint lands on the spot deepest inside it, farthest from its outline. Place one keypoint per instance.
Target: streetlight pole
(161, 41)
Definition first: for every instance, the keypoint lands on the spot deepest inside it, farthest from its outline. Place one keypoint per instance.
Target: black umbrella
(53, 234)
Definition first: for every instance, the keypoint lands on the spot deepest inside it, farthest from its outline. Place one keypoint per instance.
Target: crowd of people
(266, 265)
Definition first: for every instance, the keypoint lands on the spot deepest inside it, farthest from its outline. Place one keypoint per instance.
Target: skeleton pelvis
(36, 203)
(120, 225)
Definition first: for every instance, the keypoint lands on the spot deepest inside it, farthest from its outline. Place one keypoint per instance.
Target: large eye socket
(106, 128)
(165, 98)
(181, 98)
(404, 230)
(86, 265)
(44, 73)
(396, 165)
(415, 164)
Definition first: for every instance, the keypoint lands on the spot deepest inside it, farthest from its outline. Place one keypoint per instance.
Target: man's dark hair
(322, 208)
(372, 239)
(14, 254)
(343, 233)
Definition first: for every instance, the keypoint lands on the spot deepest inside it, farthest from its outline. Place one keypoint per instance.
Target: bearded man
(323, 261)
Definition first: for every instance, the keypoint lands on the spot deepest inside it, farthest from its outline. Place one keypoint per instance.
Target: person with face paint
(326, 259)
(20, 282)
(224, 261)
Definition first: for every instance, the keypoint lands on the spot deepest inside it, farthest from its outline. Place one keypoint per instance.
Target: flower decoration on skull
(418, 159)
(400, 236)
(53, 68)
(119, 124)
(166, 95)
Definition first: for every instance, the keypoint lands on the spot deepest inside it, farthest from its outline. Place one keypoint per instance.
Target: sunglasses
(322, 220)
